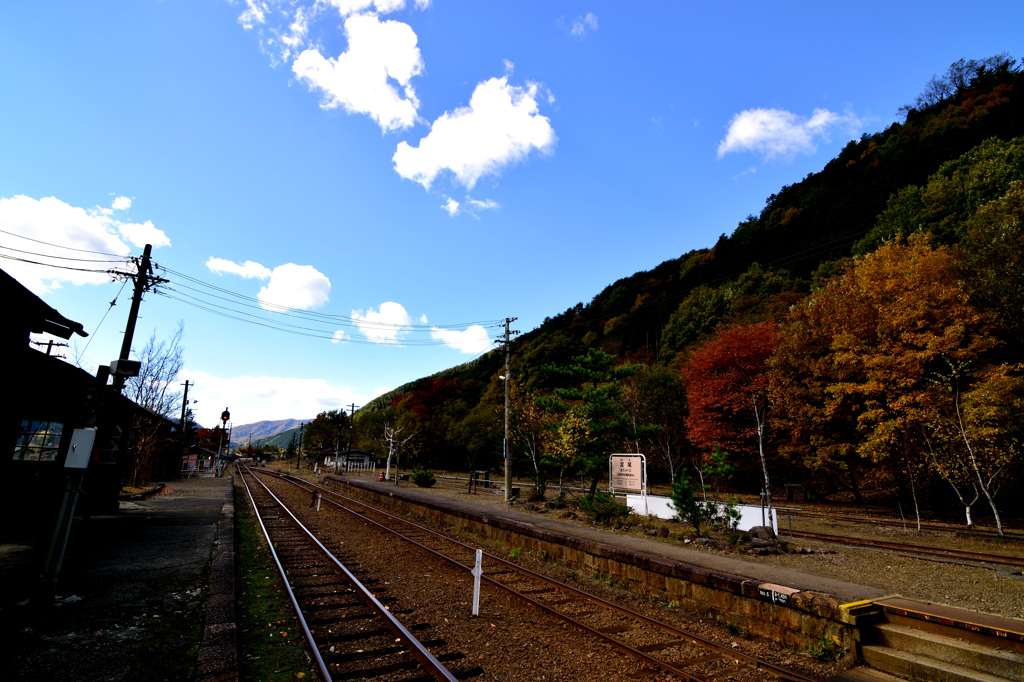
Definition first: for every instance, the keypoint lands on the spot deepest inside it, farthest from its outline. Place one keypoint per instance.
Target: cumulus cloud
(583, 24)
(121, 204)
(778, 133)
(142, 234)
(500, 126)
(53, 221)
(249, 269)
(387, 325)
(451, 206)
(253, 399)
(294, 286)
(339, 336)
(472, 340)
(358, 80)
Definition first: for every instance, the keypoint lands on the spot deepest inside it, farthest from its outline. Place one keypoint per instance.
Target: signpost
(628, 473)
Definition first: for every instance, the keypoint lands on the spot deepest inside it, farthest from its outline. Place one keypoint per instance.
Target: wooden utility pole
(508, 385)
(182, 425)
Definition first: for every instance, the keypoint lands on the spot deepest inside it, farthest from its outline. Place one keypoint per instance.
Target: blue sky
(405, 169)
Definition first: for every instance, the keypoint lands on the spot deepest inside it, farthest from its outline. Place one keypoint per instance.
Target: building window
(37, 441)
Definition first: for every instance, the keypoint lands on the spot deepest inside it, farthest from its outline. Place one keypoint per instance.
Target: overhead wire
(324, 316)
(80, 355)
(61, 246)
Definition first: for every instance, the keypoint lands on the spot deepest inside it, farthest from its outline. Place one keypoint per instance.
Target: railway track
(1011, 535)
(353, 632)
(654, 644)
(916, 550)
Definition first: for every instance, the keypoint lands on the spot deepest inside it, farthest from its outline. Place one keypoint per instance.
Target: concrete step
(921, 668)
(952, 649)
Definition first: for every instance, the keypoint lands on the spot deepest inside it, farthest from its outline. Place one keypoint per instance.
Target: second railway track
(652, 645)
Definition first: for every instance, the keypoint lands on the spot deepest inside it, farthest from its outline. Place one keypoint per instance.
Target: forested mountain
(262, 431)
(926, 211)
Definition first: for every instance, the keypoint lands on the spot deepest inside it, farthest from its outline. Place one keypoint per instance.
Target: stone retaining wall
(794, 618)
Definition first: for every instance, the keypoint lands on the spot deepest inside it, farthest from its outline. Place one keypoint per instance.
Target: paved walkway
(132, 594)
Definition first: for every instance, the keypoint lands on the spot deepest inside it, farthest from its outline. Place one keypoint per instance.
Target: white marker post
(319, 496)
(477, 572)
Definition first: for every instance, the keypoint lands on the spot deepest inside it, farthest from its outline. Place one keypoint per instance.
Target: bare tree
(394, 443)
(154, 390)
(155, 387)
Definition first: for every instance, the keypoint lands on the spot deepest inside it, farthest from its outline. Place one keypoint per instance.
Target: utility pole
(144, 279)
(182, 425)
(508, 385)
(298, 453)
(351, 428)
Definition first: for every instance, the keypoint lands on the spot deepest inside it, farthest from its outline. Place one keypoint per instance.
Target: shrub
(604, 508)
(424, 478)
(540, 486)
(692, 509)
(559, 502)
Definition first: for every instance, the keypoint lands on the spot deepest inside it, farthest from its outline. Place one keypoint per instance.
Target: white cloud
(121, 204)
(500, 126)
(483, 205)
(451, 206)
(339, 336)
(358, 80)
(53, 221)
(255, 13)
(380, 390)
(388, 325)
(423, 319)
(584, 24)
(142, 234)
(294, 286)
(472, 340)
(347, 7)
(249, 269)
(778, 133)
(252, 399)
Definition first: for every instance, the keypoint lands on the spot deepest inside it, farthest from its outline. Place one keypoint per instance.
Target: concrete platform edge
(218, 653)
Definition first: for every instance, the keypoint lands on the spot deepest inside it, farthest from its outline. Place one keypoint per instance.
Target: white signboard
(627, 472)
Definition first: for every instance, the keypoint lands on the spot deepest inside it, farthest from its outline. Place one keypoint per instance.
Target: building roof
(26, 311)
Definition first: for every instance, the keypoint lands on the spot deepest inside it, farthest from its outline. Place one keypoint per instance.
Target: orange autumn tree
(727, 392)
(863, 366)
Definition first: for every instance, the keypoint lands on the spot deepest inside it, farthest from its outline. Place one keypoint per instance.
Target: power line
(61, 246)
(111, 307)
(277, 307)
(60, 267)
(299, 331)
(86, 260)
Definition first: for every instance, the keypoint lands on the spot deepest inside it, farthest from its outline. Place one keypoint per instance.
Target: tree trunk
(913, 493)
(759, 417)
(985, 487)
(856, 488)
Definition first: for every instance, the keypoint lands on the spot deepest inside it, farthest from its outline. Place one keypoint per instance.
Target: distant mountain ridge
(263, 430)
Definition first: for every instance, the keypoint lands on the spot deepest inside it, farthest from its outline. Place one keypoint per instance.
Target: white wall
(661, 508)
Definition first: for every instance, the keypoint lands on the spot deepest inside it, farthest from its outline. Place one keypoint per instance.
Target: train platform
(146, 594)
(910, 638)
(842, 591)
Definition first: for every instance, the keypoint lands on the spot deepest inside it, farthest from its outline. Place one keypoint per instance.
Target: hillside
(954, 170)
(263, 430)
